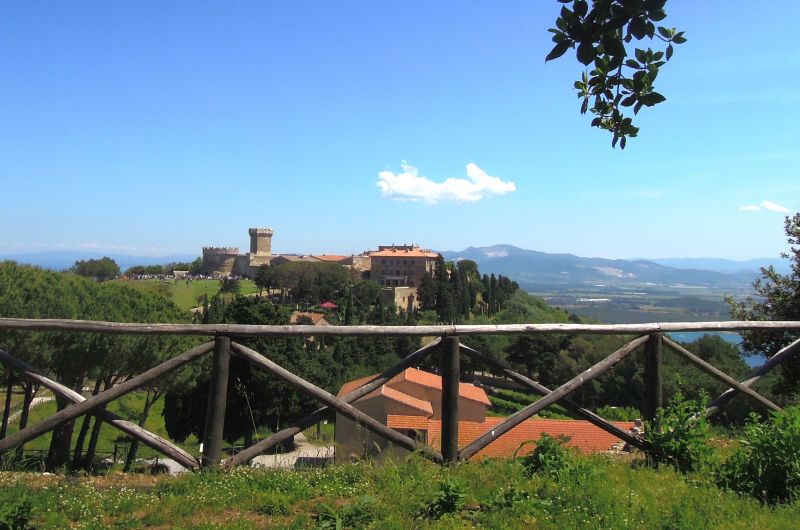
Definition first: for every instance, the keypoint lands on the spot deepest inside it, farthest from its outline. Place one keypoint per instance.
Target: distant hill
(727, 266)
(536, 270)
(64, 259)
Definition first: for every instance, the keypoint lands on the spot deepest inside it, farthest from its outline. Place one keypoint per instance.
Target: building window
(419, 435)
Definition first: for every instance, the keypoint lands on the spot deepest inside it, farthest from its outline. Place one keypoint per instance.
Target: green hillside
(185, 294)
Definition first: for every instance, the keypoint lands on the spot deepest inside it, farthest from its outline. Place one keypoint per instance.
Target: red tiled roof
(317, 319)
(582, 434)
(426, 379)
(352, 385)
(391, 253)
(430, 380)
(405, 399)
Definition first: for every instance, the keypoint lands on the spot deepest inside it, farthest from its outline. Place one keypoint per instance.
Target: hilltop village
(398, 268)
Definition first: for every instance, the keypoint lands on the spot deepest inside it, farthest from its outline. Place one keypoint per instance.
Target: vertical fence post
(217, 394)
(451, 373)
(653, 377)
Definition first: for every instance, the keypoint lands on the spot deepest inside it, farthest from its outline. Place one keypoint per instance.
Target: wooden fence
(649, 339)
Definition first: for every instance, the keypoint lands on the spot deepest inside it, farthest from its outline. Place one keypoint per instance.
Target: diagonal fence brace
(318, 415)
(79, 409)
(720, 375)
(131, 429)
(335, 403)
(755, 375)
(570, 386)
(542, 390)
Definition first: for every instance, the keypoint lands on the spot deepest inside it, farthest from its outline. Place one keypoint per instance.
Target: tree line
(454, 292)
(75, 359)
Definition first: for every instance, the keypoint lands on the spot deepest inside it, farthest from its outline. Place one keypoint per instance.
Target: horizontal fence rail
(646, 338)
(251, 330)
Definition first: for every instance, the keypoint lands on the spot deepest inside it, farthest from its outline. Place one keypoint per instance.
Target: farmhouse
(411, 403)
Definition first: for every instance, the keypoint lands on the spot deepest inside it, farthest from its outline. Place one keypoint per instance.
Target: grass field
(185, 294)
(599, 492)
(129, 408)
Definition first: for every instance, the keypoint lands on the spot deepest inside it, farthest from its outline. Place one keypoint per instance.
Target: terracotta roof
(317, 319)
(582, 434)
(465, 390)
(405, 399)
(404, 253)
(296, 257)
(352, 385)
(426, 379)
(330, 257)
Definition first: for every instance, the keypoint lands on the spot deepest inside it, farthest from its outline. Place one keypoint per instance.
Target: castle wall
(261, 241)
(241, 266)
(219, 260)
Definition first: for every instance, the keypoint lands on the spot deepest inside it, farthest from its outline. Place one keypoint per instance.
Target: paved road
(34, 402)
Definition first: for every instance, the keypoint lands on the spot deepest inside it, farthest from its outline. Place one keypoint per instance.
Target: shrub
(355, 515)
(679, 436)
(767, 464)
(17, 515)
(550, 457)
(449, 499)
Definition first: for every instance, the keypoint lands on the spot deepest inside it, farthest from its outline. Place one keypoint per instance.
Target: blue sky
(154, 128)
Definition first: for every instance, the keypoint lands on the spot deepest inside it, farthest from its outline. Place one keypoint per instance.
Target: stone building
(227, 261)
(401, 265)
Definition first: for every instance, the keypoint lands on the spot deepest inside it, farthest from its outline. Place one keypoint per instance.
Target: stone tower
(260, 241)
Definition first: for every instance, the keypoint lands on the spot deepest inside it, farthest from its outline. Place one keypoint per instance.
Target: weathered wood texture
(524, 383)
(79, 409)
(450, 370)
(131, 429)
(755, 375)
(217, 400)
(247, 330)
(335, 403)
(720, 375)
(653, 376)
(557, 394)
(318, 415)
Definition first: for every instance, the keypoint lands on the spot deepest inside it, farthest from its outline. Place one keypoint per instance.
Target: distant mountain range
(64, 259)
(535, 270)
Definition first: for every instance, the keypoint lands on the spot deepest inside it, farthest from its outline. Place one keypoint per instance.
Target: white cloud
(409, 185)
(765, 205)
(771, 206)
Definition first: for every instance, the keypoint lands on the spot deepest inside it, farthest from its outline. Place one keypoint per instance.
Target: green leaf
(584, 105)
(664, 32)
(622, 143)
(656, 98)
(581, 8)
(630, 63)
(586, 53)
(638, 28)
(628, 101)
(557, 51)
(613, 46)
(641, 55)
(677, 39)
